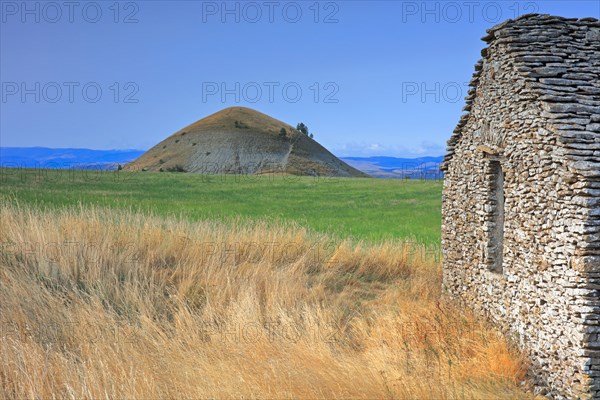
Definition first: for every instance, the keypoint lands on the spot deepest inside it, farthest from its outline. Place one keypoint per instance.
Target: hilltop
(241, 140)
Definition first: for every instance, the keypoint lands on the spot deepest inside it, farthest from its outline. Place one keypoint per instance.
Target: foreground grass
(111, 304)
(372, 209)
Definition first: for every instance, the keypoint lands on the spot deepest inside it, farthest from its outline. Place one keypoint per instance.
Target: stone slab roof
(559, 58)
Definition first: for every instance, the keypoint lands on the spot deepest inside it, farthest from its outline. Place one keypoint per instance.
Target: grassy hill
(370, 209)
(240, 140)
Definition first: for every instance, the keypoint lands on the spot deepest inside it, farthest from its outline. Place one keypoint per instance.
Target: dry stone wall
(523, 248)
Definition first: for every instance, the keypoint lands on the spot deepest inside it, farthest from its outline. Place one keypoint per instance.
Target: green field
(365, 209)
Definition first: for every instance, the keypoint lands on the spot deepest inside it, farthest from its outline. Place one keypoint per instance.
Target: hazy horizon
(144, 150)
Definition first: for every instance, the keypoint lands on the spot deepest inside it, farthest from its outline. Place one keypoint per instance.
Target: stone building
(521, 201)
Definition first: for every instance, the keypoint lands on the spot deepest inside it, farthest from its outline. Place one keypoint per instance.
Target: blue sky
(367, 77)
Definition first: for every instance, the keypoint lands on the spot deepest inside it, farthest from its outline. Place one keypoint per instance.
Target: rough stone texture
(534, 106)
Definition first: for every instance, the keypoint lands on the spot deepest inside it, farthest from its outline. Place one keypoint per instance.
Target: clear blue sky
(391, 74)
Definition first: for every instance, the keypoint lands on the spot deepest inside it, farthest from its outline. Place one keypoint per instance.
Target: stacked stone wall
(534, 107)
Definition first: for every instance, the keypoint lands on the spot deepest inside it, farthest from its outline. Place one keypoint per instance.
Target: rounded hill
(241, 140)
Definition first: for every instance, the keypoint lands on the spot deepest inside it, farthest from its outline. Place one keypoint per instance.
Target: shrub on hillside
(176, 168)
(301, 127)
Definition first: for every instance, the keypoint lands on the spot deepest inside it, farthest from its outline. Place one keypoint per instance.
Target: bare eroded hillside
(240, 140)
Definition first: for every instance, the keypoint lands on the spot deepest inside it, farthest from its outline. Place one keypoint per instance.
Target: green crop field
(364, 209)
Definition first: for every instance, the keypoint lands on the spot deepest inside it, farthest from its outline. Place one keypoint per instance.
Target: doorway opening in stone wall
(496, 237)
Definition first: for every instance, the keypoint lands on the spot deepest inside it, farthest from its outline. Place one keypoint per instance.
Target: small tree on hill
(283, 132)
(302, 128)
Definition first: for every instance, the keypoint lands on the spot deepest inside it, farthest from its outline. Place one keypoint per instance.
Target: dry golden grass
(106, 304)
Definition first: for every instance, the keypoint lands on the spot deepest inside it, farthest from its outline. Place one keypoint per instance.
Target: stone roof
(559, 58)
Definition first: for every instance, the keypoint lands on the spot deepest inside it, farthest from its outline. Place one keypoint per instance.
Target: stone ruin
(521, 199)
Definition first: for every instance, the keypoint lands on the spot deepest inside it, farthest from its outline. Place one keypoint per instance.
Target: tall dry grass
(105, 304)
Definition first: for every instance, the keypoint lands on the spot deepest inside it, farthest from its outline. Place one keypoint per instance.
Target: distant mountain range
(394, 167)
(43, 157)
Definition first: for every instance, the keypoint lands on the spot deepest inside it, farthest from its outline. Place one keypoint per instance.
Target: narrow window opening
(496, 244)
